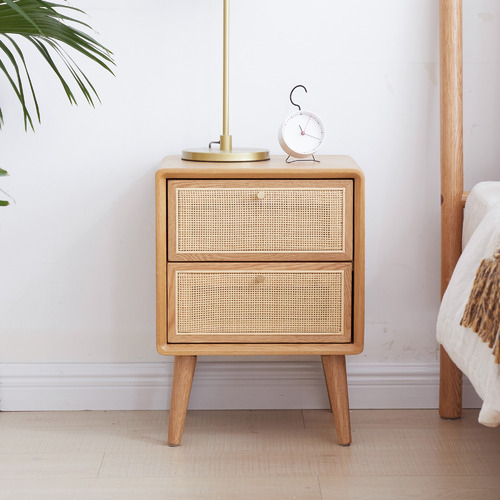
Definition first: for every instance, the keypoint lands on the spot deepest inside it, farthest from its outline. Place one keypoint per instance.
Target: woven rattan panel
(259, 302)
(260, 220)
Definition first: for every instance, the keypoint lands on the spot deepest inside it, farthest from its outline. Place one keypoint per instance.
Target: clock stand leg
(336, 383)
(181, 389)
(293, 161)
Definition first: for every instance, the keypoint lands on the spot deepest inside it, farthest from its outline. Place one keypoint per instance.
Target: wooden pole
(450, 48)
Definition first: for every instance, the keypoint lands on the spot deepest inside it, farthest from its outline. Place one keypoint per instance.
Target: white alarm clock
(301, 134)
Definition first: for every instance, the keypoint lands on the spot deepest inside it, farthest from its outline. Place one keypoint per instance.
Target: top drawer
(260, 220)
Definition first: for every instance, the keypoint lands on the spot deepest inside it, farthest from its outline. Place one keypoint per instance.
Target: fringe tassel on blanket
(482, 312)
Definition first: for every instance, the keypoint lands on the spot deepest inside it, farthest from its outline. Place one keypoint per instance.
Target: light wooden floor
(246, 455)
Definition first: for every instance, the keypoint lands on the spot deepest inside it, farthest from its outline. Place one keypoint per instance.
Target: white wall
(77, 269)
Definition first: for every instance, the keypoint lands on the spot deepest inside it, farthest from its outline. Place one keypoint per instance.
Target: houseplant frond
(51, 29)
(3, 203)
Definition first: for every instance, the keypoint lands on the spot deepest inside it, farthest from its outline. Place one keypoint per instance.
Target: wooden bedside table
(260, 258)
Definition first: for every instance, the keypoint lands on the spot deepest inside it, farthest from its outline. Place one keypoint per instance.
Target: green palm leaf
(3, 203)
(51, 31)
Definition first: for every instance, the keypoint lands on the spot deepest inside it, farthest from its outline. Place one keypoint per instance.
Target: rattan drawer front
(259, 302)
(260, 220)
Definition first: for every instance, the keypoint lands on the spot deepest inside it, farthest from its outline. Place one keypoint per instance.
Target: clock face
(301, 134)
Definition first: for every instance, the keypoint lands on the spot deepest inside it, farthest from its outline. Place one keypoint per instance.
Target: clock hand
(302, 132)
(314, 137)
(305, 128)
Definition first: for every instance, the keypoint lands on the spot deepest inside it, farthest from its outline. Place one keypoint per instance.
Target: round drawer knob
(260, 279)
(261, 195)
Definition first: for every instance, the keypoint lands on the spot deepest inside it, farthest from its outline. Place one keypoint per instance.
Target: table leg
(336, 382)
(181, 389)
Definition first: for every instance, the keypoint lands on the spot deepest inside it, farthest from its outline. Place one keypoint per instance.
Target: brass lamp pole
(226, 153)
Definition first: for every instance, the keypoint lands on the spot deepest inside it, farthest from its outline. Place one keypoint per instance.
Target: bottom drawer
(258, 303)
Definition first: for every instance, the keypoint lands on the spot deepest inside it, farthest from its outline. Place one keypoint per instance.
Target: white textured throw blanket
(481, 241)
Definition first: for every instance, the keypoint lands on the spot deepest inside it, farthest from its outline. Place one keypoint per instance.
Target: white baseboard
(217, 385)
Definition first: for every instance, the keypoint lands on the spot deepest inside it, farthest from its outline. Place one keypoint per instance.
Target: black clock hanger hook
(291, 100)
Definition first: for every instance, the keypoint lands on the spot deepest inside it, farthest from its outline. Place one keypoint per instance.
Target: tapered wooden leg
(336, 383)
(181, 389)
(450, 388)
(330, 394)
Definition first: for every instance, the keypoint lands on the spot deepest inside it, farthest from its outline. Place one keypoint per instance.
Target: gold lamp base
(231, 155)
(226, 152)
